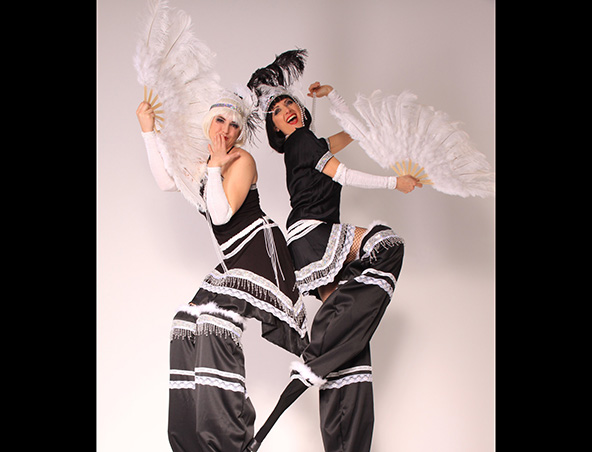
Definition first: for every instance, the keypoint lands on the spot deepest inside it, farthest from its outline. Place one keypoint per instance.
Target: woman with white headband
(194, 130)
(209, 409)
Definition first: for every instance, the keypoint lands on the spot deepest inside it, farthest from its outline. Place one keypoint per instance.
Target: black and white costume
(209, 406)
(338, 357)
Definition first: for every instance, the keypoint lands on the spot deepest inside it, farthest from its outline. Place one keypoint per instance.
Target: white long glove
(164, 181)
(216, 201)
(353, 178)
(337, 101)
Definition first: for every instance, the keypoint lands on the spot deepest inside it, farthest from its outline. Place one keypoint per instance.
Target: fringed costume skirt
(319, 251)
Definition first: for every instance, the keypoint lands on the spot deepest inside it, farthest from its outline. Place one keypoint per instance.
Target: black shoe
(253, 446)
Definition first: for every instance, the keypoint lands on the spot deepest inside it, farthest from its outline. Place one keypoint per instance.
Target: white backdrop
(433, 355)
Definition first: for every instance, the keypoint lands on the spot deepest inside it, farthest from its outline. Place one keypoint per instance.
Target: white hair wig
(229, 109)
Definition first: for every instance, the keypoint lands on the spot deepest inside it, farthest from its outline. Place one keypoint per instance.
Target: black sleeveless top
(250, 286)
(248, 212)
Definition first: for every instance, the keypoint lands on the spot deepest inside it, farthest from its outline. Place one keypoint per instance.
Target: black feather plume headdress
(275, 79)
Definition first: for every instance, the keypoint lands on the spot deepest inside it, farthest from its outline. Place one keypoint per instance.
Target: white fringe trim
(307, 373)
(209, 319)
(208, 324)
(383, 240)
(323, 271)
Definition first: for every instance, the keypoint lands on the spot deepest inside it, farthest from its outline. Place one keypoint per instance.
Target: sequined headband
(231, 106)
(270, 101)
(285, 93)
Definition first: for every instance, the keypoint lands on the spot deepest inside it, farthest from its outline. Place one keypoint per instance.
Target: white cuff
(336, 100)
(216, 201)
(353, 178)
(307, 373)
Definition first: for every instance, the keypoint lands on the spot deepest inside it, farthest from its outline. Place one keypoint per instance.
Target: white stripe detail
(242, 233)
(248, 239)
(181, 384)
(381, 273)
(300, 229)
(377, 282)
(300, 225)
(221, 373)
(260, 222)
(384, 285)
(205, 380)
(187, 373)
(345, 381)
(226, 385)
(350, 370)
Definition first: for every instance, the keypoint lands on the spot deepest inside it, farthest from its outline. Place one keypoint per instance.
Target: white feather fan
(177, 68)
(398, 132)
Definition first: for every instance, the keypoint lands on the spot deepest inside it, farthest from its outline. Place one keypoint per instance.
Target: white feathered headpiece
(178, 68)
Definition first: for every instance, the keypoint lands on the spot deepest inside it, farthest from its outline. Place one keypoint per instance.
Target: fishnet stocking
(327, 290)
(355, 248)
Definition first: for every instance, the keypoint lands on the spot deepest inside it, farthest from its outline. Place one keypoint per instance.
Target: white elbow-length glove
(164, 181)
(353, 178)
(216, 201)
(337, 101)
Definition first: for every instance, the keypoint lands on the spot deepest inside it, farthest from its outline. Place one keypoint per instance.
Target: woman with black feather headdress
(352, 270)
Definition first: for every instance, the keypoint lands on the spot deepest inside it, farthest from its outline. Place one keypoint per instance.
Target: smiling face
(286, 115)
(229, 129)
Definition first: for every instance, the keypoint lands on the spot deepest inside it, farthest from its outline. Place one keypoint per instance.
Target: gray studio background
(433, 355)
